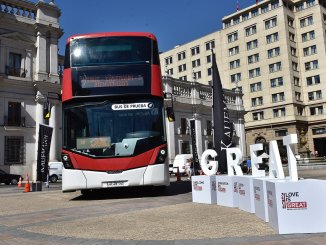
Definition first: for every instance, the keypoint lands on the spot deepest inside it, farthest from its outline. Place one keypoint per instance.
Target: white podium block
(204, 189)
(260, 198)
(245, 190)
(297, 206)
(227, 191)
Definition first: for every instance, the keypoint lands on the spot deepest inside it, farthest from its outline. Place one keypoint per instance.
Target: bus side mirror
(47, 109)
(170, 114)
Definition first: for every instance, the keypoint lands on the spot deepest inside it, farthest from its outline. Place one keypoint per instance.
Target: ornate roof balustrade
(197, 93)
(19, 8)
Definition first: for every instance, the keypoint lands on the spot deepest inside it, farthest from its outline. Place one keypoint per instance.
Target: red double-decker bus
(113, 112)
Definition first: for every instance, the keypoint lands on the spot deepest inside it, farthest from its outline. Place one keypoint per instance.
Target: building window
(290, 21)
(295, 66)
(210, 45)
(311, 65)
(232, 37)
(245, 16)
(183, 78)
(293, 51)
(275, 4)
(272, 38)
(257, 101)
(14, 114)
(253, 58)
(316, 110)
(209, 58)
(236, 20)
(281, 133)
(236, 77)
(14, 150)
(315, 95)
(168, 60)
(279, 112)
(14, 67)
(170, 71)
(209, 127)
(182, 55)
(182, 67)
(209, 71)
(234, 64)
(270, 23)
(255, 87)
(308, 36)
(252, 44)
(299, 7)
(313, 80)
(185, 147)
(310, 50)
(307, 21)
(227, 24)
(275, 67)
(311, 3)
(278, 97)
(195, 51)
(318, 131)
(234, 51)
(254, 72)
(264, 9)
(298, 96)
(195, 63)
(251, 30)
(273, 52)
(276, 82)
(256, 116)
(291, 36)
(197, 75)
(254, 13)
(296, 81)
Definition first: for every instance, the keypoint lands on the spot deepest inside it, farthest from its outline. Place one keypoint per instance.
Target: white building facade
(274, 51)
(29, 34)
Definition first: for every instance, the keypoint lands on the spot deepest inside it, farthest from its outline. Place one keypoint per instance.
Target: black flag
(223, 127)
(44, 143)
(195, 158)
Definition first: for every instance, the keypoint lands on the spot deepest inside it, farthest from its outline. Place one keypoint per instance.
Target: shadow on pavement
(175, 188)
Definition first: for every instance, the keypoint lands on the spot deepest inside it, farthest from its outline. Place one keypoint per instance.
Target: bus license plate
(114, 183)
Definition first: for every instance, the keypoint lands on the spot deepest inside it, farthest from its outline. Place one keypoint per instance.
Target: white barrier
(297, 206)
(203, 189)
(227, 191)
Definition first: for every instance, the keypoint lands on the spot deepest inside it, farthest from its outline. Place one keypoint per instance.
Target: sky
(173, 22)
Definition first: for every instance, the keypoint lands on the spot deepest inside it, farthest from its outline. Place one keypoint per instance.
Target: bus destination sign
(133, 106)
(105, 81)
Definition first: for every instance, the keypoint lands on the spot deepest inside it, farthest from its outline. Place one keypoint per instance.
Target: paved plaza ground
(133, 216)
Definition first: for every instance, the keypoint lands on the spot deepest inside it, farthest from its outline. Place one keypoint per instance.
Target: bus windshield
(113, 128)
(110, 51)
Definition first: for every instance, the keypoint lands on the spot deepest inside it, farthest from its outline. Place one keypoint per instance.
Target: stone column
(54, 141)
(170, 139)
(53, 55)
(199, 134)
(3, 58)
(38, 120)
(40, 62)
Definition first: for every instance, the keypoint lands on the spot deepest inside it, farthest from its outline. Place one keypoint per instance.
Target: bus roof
(112, 34)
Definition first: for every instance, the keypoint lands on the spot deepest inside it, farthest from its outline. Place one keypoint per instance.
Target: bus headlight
(161, 156)
(66, 161)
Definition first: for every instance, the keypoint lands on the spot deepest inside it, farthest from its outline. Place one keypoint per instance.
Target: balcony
(14, 122)
(15, 72)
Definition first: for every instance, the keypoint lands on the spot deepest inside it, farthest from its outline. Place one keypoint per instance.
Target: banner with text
(44, 143)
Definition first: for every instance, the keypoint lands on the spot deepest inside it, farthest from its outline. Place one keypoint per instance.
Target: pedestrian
(249, 166)
(188, 168)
